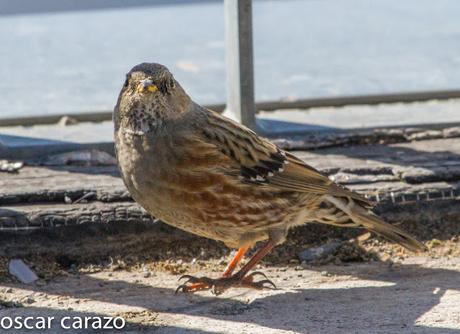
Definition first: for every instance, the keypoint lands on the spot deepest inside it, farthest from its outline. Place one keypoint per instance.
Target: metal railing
(339, 101)
(239, 70)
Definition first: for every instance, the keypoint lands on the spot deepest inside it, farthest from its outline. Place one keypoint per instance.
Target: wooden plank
(23, 217)
(107, 190)
(41, 215)
(55, 183)
(101, 230)
(409, 163)
(320, 139)
(392, 175)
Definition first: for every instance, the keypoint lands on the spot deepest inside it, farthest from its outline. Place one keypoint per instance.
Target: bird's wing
(263, 163)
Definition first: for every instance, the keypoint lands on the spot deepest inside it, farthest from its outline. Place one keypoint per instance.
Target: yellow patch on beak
(152, 88)
(148, 85)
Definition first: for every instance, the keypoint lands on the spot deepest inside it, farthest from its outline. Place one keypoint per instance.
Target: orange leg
(234, 262)
(240, 279)
(269, 245)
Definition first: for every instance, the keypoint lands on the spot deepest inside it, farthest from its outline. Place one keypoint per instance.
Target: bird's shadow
(392, 300)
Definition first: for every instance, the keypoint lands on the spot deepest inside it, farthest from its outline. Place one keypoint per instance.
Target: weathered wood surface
(385, 135)
(54, 183)
(392, 175)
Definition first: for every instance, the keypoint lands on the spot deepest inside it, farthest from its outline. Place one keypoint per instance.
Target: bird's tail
(354, 215)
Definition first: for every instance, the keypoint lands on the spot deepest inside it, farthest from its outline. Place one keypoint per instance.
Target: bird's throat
(140, 122)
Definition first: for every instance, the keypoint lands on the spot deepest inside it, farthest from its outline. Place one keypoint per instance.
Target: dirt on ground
(414, 295)
(166, 249)
(366, 285)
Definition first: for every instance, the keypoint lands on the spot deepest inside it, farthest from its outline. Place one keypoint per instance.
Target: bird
(201, 172)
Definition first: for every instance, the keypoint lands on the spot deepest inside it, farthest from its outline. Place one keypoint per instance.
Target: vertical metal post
(240, 67)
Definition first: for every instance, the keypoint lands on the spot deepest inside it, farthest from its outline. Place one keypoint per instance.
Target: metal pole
(240, 68)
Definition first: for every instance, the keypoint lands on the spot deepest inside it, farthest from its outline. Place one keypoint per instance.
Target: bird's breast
(191, 192)
(140, 159)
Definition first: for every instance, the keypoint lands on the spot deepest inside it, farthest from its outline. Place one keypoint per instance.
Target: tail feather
(374, 224)
(362, 217)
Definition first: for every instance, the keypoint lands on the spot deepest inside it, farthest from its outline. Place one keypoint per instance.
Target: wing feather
(261, 162)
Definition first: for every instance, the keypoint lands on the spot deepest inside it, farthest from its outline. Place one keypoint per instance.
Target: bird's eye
(166, 86)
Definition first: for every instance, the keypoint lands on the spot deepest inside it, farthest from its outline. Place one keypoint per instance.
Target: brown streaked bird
(206, 174)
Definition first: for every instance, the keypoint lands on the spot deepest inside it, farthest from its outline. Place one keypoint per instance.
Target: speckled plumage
(201, 172)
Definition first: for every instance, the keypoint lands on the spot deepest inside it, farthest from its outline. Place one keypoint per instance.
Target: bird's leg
(198, 286)
(234, 262)
(240, 279)
(269, 245)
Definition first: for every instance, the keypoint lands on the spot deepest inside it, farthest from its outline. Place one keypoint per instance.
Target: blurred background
(71, 57)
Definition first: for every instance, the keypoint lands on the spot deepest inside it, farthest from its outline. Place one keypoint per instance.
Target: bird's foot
(220, 285)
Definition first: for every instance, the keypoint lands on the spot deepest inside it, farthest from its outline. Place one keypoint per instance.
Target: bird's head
(149, 80)
(150, 91)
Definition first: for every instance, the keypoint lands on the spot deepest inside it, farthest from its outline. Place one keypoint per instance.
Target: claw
(255, 273)
(180, 287)
(192, 288)
(185, 276)
(249, 283)
(266, 281)
(193, 284)
(220, 285)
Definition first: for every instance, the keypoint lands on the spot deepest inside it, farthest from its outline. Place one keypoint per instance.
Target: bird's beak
(148, 85)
